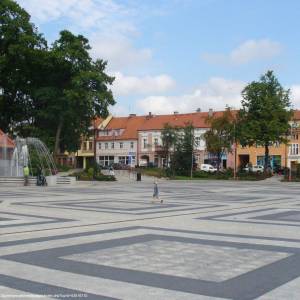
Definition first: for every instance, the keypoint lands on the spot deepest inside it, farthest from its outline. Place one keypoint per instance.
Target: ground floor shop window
(127, 160)
(274, 161)
(106, 160)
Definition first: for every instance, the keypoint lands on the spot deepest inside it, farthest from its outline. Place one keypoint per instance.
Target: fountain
(31, 152)
(25, 149)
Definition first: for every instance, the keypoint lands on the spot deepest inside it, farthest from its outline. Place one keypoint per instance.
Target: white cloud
(249, 51)
(85, 14)
(255, 50)
(119, 52)
(215, 94)
(295, 95)
(110, 27)
(125, 85)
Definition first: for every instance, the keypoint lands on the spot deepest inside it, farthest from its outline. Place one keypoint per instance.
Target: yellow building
(86, 154)
(281, 155)
(255, 155)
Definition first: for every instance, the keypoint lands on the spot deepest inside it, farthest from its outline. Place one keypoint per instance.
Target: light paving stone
(182, 259)
(210, 240)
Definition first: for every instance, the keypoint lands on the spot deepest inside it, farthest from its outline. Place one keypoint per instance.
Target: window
(156, 141)
(99, 146)
(84, 145)
(295, 136)
(294, 149)
(90, 145)
(106, 145)
(112, 145)
(144, 143)
(276, 144)
(106, 160)
(126, 160)
(122, 160)
(131, 145)
(121, 145)
(103, 133)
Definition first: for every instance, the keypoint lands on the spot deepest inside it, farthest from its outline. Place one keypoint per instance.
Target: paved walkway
(209, 240)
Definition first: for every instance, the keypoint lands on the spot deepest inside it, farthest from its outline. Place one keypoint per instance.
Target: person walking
(111, 171)
(26, 175)
(156, 193)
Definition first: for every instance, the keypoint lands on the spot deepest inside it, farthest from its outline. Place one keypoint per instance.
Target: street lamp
(235, 150)
(192, 162)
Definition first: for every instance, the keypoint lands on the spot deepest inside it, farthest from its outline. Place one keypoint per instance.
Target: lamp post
(95, 160)
(192, 162)
(235, 150)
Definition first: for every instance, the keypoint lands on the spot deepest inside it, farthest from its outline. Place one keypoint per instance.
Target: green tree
(182, 159)
(19, 44)
(51, 93)
(220, 137)
(265, 113)
(169, 138)
(78, 91)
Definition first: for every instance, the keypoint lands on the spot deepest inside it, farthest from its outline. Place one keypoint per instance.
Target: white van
(208, 168)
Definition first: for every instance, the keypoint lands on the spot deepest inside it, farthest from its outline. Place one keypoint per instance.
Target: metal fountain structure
(14, 159)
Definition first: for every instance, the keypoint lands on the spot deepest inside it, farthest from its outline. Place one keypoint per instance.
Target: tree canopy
(220, 137)
(48, 92)
(265, 113)
(19, 44)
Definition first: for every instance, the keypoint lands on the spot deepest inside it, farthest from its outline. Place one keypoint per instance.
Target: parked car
(208, 168)
(254, 169)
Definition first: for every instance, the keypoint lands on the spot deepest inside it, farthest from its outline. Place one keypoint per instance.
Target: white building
(117, 142)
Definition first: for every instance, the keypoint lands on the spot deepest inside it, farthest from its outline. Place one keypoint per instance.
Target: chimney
(210, 112)
(149, 115)
(175, 112)
(198, 109)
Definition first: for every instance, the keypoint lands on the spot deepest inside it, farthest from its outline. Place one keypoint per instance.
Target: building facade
(137, 141)
(281, 155)
(117, 143)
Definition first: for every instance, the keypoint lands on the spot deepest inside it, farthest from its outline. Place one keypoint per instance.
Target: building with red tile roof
(7, 146)
(150, 142)
(137, 139)
(6, 141)
(117, 143)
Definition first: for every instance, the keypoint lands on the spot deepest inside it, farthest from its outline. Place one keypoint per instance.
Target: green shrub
(206, 175)
(88, 175)
(253, 176)
(201, 174)
(63, 168)
(90, 172)
(101, 177)
(156, 172)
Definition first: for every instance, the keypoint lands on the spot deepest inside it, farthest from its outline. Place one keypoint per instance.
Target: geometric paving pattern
(118, 206)
(209, 240)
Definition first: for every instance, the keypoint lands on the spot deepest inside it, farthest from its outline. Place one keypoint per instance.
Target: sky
(181, 55)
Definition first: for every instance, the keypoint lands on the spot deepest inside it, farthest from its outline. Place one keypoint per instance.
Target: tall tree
(220, 137)
(182, 159)
(265, 113)
(19, 44)
(76, 91)
(169, 137)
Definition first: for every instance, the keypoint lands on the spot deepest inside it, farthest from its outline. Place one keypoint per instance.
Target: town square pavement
(106, 240)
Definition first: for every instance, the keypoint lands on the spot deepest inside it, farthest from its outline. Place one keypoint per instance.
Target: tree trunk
(57, 139)
(266, 157)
